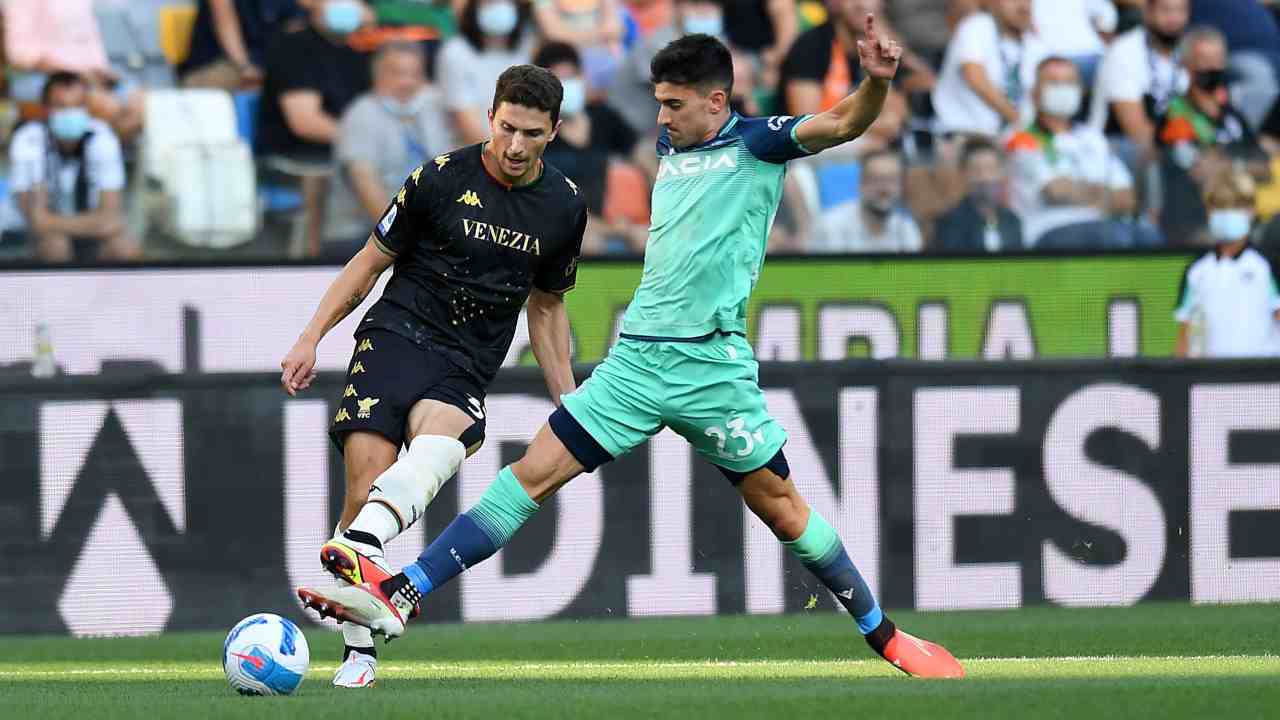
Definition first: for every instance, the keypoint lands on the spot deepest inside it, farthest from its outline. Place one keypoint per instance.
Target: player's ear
(719, 101)
(555, 130)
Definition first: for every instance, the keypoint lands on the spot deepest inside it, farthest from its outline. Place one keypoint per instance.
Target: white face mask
(1230, 225)
(575, 96)
(1060, 99)
(497, 18)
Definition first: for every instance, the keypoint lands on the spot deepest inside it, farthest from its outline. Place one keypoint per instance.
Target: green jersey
(713, 206)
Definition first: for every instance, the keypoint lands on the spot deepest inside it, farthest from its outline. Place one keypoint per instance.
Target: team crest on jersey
(366, 406)
(470, 198)
(441, 161)
(697, 163)
(384, 225)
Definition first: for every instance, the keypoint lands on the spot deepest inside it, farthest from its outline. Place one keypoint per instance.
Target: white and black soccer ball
(265, 654)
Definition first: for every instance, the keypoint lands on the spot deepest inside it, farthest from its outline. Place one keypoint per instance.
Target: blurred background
(967, 324)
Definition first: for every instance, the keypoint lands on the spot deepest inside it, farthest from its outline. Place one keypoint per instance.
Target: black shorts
(388, 374)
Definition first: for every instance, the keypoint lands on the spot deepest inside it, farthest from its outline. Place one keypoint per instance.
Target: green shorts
(708, 391)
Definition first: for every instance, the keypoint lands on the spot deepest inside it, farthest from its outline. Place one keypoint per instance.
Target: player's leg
(615, 410)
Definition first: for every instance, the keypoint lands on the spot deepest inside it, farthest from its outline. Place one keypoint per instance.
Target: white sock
(400, 495)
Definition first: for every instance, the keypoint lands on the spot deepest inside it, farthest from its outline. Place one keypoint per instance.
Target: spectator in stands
(926, 25)
(1075, 29)
(822, 66)
(631, 93)
(67, 174)
(1200, 133)
(589, 148)
(1253, 36)
(593, 26)
(1138, 76)
(763, 30)
(1229, 302)
(381, 138)
(229, 41)
(1070, 189)
(312, 76)
(989, 66)
(43, 37)
(875, 222)
(982, 222)
(492, 37)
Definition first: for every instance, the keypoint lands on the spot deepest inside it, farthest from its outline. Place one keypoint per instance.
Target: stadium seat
(272, 198)
(197, 174)
(626, 194)
(177, 22)
(838, 183)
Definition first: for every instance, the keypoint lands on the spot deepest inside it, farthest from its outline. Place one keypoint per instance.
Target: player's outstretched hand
(879, 56)
(299, 367)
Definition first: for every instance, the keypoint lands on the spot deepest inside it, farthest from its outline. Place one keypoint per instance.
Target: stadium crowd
(274, 128)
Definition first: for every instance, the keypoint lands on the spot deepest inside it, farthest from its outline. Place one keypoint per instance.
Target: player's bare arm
(852, 116)
(345, 294)
(549, 336)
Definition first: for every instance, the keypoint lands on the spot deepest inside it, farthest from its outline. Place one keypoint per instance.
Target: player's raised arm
(852, 116)
(345, 294)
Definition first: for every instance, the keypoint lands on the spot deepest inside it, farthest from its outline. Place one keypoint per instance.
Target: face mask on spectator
(342, 17)
(1060, 99)
(988, 193)
(575, 96)
(403, 108)
(69, 124)
(1229, 225)
(712, 25)
(1166, 39)
(881, 206)
(497, 18)
(1211, 80)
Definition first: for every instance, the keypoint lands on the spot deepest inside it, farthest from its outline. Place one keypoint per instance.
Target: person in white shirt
(1073, 28)
(491, 38)
(988, 69)
(1139, 75)
(67, 174)
(1229, 303)
(1068, 186)
(875, 222)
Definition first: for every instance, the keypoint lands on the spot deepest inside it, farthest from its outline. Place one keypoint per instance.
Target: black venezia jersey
(468, 250)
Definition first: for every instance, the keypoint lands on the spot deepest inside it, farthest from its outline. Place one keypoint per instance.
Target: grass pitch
(1163, 661)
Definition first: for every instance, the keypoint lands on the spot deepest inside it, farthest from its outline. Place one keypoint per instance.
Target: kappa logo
(349, 392)
(470, 198)
(342, 415)
(697, 164)
(417, 173)
(357, 368)
(400, 197)
(365, 406)
(441, 161)
(365, 344)
(475, 407)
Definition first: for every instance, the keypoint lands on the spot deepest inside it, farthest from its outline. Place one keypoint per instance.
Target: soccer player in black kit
(473, 234)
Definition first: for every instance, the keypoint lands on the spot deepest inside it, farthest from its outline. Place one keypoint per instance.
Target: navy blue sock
(460, 546)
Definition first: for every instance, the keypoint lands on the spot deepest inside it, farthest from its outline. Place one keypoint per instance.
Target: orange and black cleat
(920, 658)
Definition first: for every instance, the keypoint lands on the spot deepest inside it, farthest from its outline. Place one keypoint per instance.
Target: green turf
(1166, 661)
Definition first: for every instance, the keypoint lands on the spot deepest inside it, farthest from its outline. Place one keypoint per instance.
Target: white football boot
(357, 671)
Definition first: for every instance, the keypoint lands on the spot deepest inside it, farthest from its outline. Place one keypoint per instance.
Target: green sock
(503, 508)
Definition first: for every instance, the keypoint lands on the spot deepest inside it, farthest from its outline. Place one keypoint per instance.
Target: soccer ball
(265, 654)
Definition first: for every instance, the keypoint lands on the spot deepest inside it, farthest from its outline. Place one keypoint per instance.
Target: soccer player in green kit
(683, 360)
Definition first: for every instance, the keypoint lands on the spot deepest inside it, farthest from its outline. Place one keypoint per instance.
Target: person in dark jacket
(982, 222)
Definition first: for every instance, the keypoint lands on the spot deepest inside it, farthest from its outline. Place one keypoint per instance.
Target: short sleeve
(26, 159)
(1118, 78)
(773, 139)
(289, 65)
(455, 77)
(1187, 297)
(559, 274)
(356, 139)
(105, 161)
(405, 219)
(974, 41)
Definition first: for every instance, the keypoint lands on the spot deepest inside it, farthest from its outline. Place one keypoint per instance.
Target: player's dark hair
(57, 80)
(698, 60)
(532, 87)
(554, 53)
(974, 147)
(469, 25)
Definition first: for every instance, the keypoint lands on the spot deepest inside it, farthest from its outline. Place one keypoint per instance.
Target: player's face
(520, 134)
(687, 114)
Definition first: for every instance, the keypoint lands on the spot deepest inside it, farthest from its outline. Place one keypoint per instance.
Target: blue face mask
(69, 124)
(498, 18)
(403, 108)
(1228, 226)
(342, 17)
(575, 96)
(712, 25)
